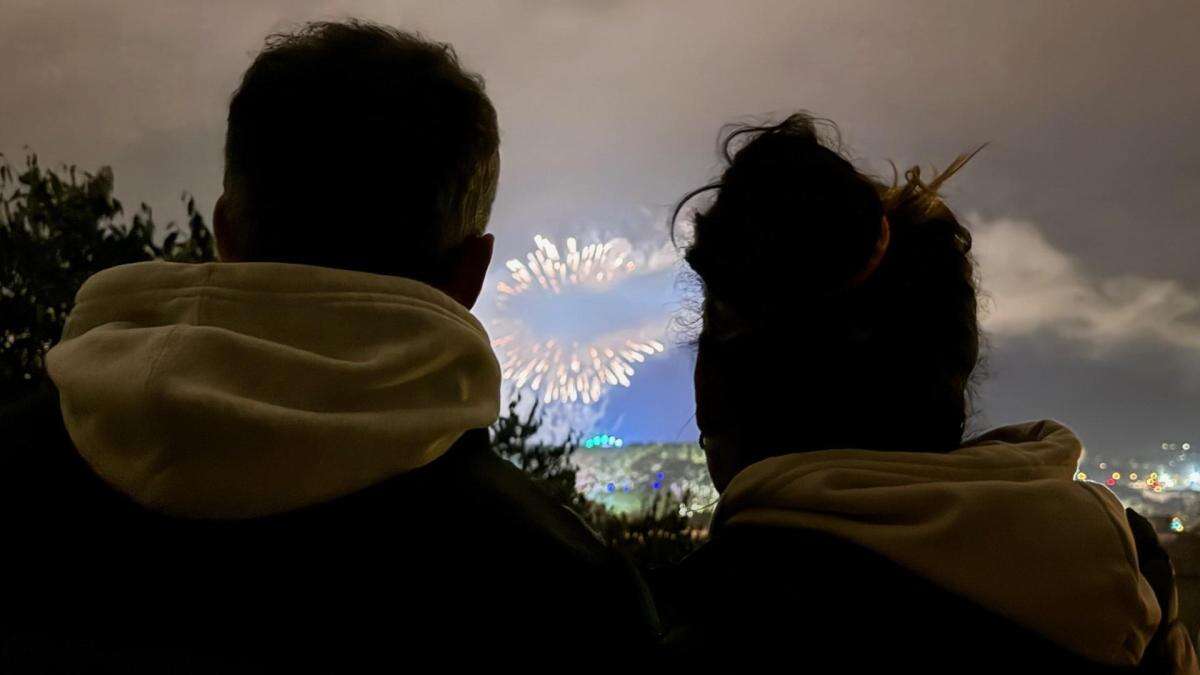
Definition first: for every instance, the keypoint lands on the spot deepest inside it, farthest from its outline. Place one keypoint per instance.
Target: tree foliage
(57, 228)
(662, 532)
(514, 437)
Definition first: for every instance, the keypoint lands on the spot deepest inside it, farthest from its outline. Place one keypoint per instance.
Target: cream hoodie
(1001, 522)
(234, 390)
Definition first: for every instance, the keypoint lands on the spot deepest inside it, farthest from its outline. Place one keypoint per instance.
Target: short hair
(886, 363)
(359, 146)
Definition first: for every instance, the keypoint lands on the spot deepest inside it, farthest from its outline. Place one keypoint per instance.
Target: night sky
(1084, 205)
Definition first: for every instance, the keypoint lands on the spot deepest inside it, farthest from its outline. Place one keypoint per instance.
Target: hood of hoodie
(237, 390)
(1001, 521)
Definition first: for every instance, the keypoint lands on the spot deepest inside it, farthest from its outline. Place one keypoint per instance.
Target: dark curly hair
(886, 363)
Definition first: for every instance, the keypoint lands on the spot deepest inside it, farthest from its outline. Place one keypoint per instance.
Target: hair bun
(823, 220)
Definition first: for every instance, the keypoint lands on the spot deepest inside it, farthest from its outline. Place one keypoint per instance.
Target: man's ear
(228, 244)
(465, 268)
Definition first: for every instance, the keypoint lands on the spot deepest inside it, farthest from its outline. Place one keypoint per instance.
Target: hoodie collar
(235, 390)
(1000, 521)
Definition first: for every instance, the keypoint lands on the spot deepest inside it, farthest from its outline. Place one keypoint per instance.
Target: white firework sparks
(561, 367)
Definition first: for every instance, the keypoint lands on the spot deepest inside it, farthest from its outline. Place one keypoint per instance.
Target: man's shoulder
(468, 538)
(500, 487)
(469, 489)
(480, 535)
(468, 495)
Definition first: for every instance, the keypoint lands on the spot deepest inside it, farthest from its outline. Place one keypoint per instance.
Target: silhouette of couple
(279, 461)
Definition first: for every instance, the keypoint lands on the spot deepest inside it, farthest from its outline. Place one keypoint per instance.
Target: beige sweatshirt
(233, 390)
(1002, 522)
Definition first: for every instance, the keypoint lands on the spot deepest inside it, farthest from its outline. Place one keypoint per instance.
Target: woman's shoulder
(811, 592)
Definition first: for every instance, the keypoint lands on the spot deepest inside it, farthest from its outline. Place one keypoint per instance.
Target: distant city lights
(1164, 488)
(627, 479)
(603, 441)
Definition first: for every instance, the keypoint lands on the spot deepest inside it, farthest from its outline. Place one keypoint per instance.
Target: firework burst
(561, 358)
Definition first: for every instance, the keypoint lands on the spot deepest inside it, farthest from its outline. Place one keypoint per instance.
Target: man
(281, 459)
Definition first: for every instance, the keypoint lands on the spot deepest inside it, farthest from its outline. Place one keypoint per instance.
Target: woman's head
(838, 311)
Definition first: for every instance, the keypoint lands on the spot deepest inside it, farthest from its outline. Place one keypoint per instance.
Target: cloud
(1033, 286)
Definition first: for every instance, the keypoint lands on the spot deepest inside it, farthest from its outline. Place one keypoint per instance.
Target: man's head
(361, 147)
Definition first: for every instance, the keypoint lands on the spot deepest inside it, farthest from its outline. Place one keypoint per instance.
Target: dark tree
(513, 438)
(57, 228)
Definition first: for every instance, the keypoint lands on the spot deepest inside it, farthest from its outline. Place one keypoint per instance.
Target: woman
(856, 528)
